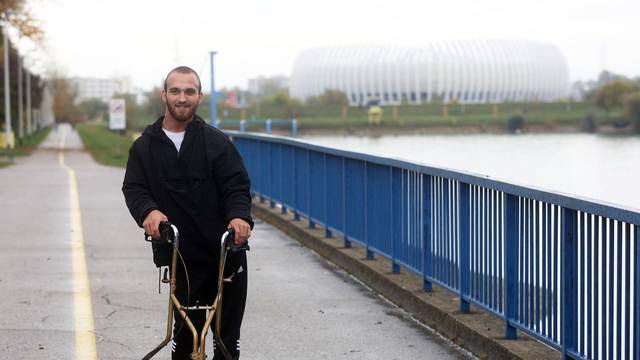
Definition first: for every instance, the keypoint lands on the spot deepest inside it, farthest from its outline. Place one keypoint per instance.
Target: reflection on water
(605, 168)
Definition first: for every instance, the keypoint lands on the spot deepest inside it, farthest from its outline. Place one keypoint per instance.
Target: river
(604, 168)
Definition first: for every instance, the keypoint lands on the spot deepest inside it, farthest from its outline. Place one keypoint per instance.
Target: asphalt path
(299, 306)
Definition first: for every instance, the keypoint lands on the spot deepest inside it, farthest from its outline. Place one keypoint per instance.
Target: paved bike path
(299, 307)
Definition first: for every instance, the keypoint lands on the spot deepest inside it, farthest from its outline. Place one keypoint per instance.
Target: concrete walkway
(299, 307)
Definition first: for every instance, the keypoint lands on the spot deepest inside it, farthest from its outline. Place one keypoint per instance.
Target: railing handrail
(575, 202)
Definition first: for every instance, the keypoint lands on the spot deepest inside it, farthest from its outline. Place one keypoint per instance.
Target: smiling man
(187, 172)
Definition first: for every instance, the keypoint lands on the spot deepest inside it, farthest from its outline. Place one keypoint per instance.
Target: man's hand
(242, 229)
(151, 223)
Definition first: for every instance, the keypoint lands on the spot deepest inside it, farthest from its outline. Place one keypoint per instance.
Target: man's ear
(163, 95)
(200, 98)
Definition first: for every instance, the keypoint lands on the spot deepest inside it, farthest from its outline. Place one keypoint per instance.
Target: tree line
(15, 15)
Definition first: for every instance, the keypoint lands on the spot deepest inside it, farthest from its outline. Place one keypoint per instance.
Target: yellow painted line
(85, 339)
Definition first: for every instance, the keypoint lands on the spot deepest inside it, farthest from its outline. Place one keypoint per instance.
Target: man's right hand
(151, 223)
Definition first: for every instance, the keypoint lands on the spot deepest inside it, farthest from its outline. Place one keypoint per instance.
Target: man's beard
(182, 118)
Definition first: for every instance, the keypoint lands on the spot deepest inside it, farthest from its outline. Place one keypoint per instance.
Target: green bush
(516, 123)
(631, 104)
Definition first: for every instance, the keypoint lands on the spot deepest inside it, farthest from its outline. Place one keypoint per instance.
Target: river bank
(381, 130)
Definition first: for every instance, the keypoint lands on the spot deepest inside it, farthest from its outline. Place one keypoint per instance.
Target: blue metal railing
(266, 124)
(562, 269)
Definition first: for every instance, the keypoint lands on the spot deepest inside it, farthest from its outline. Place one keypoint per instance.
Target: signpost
(117, 114)
(118, 119)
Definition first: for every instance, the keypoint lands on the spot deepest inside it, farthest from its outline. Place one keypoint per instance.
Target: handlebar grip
(230, 244)
(164, 225)
(167, 234)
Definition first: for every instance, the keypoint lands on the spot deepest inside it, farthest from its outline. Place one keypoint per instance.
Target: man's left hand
(242, 230)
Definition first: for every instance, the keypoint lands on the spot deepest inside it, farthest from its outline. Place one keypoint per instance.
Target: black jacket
(199, 189)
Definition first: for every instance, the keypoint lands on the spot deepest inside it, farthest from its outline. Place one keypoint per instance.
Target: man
(189, 173)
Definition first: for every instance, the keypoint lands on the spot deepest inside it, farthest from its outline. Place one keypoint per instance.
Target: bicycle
(169, 233)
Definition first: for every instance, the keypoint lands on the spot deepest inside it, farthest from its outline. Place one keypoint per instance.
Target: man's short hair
(183, 70)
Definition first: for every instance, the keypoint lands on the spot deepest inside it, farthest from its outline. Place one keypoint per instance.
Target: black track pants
(203, 287)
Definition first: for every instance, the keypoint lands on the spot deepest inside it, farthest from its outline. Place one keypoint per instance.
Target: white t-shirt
(176, 137)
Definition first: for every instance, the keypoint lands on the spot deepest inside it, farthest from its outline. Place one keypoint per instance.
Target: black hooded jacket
(200, 189)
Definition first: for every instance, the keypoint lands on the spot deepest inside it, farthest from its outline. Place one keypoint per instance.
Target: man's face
(182, 96)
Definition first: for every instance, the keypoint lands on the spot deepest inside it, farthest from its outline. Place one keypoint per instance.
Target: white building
(477, 71)
(96, 88)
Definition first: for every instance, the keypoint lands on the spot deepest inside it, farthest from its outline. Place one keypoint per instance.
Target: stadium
(478, 71)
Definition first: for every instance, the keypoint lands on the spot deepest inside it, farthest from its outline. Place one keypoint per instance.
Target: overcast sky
(143, 39)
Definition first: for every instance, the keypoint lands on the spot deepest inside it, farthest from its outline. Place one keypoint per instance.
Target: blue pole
(426, 234)
(294, 128)
(268, 127)
(569, 279)
(512, 221)
(636, 288)
(465, 235)
(213, 103)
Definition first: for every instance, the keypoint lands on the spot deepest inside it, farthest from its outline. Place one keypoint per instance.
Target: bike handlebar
(169, 233)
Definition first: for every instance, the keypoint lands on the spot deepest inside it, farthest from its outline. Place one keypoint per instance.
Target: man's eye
(174, 91)
(190, 92)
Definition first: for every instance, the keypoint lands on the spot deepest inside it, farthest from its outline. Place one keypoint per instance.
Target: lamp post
(7, 95)
(20, 103)
(29, 126)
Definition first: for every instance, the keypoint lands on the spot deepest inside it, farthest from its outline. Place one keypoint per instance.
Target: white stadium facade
(472, 71)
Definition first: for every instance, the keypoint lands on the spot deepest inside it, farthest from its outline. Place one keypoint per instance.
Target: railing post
(347, 242)
(294, 128)
(395, 211)
(426, 234)
(511, 265)
(263, 176)
(267, 126)
(243, 125)
(636, 295)
(296, 202)
(327, 231)
(369, 253)
(465, 235)
(272, 203)
(312, 225)
(569, 280)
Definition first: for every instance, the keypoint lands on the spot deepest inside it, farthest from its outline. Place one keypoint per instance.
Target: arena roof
(468, 71)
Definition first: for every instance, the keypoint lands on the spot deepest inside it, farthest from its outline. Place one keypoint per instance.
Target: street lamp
(20, 98)
(213, 103)
(7, 95)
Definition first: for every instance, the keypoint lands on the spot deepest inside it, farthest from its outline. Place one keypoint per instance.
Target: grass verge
(29, 144)
(106, 146)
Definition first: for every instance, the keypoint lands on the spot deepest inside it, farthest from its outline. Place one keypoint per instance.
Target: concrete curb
(477, 331)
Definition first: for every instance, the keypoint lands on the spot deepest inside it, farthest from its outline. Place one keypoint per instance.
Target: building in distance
(99, 88)
(466, 71)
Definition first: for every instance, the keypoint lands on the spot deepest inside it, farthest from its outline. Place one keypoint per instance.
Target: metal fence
(559, 268)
